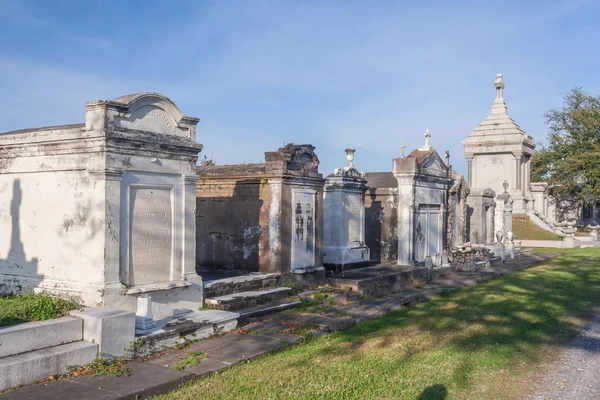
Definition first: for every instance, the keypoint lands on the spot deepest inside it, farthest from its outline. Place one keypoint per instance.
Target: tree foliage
(570, 162)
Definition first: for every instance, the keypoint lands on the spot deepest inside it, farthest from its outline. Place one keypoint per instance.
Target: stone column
(107, 188)
(442, 218)
(490, 234)
(470, 169)
(518, 174)
(188, 262)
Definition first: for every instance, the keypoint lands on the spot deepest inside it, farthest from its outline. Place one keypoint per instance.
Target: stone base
(112, 330)
(345, 256)
(167, 301)
(498, 250)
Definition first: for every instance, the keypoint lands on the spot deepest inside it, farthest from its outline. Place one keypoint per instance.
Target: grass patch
(524, 229)
(32, 307)
(483, 342)
(193, 359)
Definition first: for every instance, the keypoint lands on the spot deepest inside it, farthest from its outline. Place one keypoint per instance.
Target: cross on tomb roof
(402, 146)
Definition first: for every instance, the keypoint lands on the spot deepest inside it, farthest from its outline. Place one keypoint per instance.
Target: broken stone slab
(174, 331)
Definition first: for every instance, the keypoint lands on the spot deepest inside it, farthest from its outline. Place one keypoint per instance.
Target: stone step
(382, 280)
(37, 335)
(243, 283)
(242, 300)
(266, 309)
(174, 331)
(25, 368)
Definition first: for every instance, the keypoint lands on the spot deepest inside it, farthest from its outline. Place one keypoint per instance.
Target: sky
(260, 74)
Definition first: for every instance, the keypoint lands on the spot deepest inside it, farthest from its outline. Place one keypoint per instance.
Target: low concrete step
(25, 368)
(174, 331)
(241, 300)
(265, 309)
(242, 283)
(37, 335)
(382, 280)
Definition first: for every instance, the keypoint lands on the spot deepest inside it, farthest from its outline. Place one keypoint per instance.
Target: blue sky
(367, 74)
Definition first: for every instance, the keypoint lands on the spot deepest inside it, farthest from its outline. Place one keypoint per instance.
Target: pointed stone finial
(499, 84)
(499, 106)
(402, 146)
(447, 157)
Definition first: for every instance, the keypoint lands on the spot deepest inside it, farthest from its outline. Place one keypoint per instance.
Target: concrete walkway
(157, 376)
(574, 376)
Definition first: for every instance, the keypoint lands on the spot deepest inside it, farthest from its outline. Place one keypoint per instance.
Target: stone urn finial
(350, 156)
(505, 186)
(499, 236)
(510, 236)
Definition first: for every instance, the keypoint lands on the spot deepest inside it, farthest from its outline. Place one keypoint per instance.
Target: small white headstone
(144, 320)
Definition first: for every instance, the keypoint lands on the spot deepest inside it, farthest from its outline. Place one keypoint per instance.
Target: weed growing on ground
(101, 366)
(193, 359)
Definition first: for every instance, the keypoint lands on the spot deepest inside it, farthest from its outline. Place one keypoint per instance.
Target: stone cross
(402, 146)
(427, 136)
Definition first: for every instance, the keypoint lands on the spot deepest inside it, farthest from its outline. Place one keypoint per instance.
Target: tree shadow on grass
(434, 392)
(502, 318)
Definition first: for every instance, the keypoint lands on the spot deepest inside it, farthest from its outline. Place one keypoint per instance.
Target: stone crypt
(424, 180)
(104, 211)
(344, 216)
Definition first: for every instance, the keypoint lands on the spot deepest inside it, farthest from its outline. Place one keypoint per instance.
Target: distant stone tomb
(424, 180)
(265, 217)
(344, 216)
(104, 210)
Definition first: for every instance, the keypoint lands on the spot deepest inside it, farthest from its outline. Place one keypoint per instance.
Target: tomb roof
(381, 179)
(498, 129)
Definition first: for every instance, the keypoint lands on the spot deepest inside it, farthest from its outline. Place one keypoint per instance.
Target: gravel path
(576, 375)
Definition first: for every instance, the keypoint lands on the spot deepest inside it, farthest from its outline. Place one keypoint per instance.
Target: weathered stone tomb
(344, 216)
(381, 216)
(481, 215)
(103, 211)
(498, 150)
(423, 183)
(262, 217)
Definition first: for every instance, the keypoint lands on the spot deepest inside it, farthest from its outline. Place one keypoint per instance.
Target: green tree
(570, 162)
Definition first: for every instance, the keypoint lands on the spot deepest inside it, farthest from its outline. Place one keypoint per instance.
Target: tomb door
(427, 232)
(303, 228)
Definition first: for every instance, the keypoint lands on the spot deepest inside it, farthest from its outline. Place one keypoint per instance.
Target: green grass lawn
(32, 307)
(527, 230)
(484, 342)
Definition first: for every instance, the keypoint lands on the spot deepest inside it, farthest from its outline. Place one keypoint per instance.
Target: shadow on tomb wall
(15, 266)
(381, 222)
(229, 230)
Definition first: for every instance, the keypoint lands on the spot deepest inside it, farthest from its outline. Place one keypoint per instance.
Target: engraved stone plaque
(151, 236)
(353, 215)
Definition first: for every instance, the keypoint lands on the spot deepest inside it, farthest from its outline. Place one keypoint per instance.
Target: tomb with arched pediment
(106, 208)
